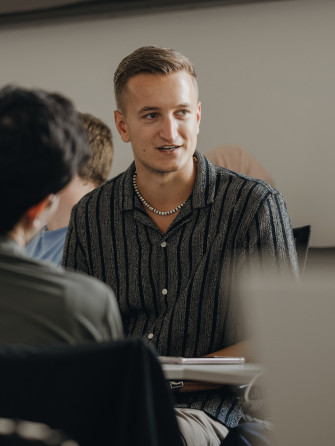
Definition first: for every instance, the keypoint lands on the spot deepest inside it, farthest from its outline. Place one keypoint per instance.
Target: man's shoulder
(67, 278)
(81, 290)
(71, 305)
(56, 281)
(82, 283)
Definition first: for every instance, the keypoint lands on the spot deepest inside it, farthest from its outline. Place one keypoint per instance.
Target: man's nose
(169, 129)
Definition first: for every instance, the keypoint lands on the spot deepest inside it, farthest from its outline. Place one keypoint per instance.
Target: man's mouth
(168, 148)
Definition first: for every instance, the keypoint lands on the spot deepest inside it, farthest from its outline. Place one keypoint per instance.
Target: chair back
(111, 393)
(301, 238)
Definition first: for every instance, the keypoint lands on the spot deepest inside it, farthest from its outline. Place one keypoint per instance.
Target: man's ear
(121, 126)
(198, 117)
(34, 212)
(32, 215)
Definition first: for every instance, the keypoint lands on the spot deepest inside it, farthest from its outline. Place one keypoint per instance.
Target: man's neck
(166, 191)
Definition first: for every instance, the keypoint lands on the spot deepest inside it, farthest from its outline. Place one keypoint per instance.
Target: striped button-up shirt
(175, 289)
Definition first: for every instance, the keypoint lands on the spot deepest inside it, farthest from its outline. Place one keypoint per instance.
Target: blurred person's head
(91, 174)
(42, 145)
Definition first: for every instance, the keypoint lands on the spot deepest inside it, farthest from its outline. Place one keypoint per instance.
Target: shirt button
(163, 244)
(164, 291)
(150, 335)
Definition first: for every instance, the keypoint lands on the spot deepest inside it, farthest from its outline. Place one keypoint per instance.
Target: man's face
(161, 117)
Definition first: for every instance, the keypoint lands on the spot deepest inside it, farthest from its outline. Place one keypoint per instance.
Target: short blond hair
(152, 60)
(97, 168)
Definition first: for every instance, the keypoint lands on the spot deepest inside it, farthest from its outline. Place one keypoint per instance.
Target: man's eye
(151, 116)
(182, 112)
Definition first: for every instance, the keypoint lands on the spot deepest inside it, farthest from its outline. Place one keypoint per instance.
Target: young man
(49, 242)
(172, 232)
(42, 145)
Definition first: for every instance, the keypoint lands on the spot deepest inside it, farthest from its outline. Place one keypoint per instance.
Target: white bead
(146, 204)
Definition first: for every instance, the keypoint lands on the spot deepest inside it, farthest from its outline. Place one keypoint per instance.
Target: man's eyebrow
(149, 108)
(186, 105)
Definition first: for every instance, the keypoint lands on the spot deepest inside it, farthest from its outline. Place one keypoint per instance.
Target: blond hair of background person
(239, 160)
(49, 243)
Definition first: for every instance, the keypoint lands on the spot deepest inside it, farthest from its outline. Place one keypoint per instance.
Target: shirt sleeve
(269, 238)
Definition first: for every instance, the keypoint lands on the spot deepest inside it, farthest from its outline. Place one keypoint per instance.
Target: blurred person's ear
(37, 216)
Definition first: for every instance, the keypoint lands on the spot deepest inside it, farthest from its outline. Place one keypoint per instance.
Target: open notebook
(203, 360)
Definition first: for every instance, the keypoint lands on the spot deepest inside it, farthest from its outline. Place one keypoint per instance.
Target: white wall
(266, 73)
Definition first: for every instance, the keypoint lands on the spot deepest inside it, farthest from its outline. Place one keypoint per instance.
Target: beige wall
(266, 74)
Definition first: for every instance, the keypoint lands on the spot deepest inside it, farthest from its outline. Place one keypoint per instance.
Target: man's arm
(270, 242)
(269, 238)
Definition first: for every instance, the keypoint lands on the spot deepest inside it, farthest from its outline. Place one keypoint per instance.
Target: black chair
(110, 394)
(301, 238)
(320, 258)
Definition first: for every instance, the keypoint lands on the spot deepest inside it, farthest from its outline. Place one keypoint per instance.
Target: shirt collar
(128, 198)
(203, 190)
(205, 182)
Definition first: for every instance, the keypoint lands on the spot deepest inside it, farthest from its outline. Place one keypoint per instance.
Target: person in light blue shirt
(49, 242)
(48, 245)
